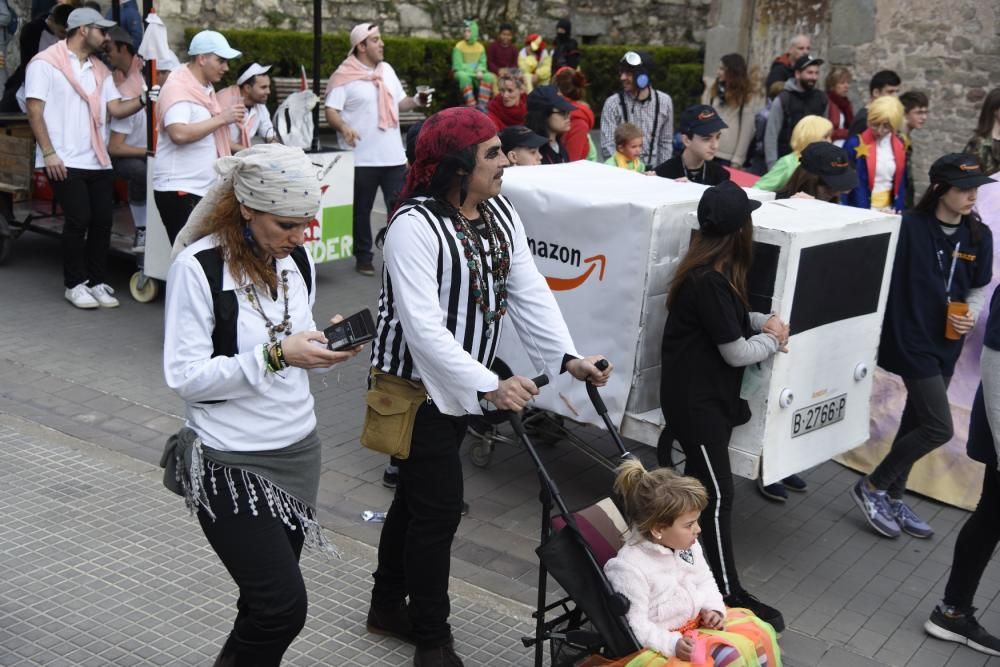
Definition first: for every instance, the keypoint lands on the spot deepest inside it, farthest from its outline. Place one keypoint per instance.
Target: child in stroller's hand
(676, 609)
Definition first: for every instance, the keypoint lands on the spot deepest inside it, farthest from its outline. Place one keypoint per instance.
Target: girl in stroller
(676, 609)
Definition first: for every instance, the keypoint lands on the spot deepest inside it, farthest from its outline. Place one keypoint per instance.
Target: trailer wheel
(143, 288)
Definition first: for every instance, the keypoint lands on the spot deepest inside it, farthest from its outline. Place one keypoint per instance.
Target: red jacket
(581, 122)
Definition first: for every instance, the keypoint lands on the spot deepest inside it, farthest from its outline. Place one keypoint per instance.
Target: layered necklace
(499, 263)
(285, 326)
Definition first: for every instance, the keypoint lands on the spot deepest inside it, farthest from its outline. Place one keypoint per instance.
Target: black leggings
(262, 556)
(709, 464)
(975, 544)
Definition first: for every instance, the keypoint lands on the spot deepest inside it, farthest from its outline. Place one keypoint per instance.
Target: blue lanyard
(951, 271)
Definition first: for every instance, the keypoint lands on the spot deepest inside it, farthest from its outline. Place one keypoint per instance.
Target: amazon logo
(572, 257)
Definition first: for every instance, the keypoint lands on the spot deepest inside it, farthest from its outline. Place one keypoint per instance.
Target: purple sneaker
(875, 505)
(908, 519)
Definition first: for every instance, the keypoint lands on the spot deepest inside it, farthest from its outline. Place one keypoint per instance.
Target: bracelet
(280, 356)
(270, 363)
(49, 152)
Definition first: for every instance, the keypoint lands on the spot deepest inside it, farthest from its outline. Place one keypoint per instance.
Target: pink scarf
(232, 96)
(183, 87)
(130, 83)
(58, 56)
(353, 70)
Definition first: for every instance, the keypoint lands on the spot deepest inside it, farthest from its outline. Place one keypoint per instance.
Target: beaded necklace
(285, 327)
(500, 261)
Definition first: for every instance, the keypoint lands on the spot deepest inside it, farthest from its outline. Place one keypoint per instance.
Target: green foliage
(428, 61)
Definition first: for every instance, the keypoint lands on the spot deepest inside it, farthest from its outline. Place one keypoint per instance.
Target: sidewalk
(102, 566)
(850, 598)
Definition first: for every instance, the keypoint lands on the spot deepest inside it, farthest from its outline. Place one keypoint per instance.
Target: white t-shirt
(185, 167)
(66, 114)
(357, 103)
(260, 125)
(133, 127)
(885, 164)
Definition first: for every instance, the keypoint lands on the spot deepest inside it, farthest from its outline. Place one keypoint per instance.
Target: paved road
(850, 597)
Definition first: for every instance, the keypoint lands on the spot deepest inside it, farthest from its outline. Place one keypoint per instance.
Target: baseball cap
(210, 41)
(546, 98)
(959, 170)
(120, 34)
(518, 136)
(830, 163)
(360, 33)
(87, 16)
(701, 119)
(724, 209)
(807, 61)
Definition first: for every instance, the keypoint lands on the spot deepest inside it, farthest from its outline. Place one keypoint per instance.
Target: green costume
(468, 61)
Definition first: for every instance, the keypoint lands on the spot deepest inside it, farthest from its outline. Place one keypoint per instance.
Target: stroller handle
(541, 381)
(595, 397)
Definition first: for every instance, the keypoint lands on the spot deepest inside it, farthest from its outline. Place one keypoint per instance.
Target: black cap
(959, 170)
(518, 136)
(724, 209)
(701, 119)
(546, 98)
(806, 61)
(830, 163)
(120, 34)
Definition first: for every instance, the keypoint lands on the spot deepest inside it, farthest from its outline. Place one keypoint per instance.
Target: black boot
(437, 656)
(391, 622)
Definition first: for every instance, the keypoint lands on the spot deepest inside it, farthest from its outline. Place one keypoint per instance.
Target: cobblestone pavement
(849, 597)
(102, 566)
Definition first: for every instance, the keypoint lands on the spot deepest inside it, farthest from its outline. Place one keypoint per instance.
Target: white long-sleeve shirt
(664, 590)
(430, 329)
(261, 410)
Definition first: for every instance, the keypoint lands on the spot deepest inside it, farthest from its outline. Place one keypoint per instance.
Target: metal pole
(317, 44)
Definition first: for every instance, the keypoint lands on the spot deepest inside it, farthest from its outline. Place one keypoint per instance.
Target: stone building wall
(950, 50)
(679, 22)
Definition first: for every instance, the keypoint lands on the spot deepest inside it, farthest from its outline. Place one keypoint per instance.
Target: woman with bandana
(457, 267)
(238, 341)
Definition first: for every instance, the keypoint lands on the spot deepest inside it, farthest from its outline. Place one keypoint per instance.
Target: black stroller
(590, 619)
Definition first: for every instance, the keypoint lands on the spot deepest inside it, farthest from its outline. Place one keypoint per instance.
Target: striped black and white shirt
(429, 327)
(656, 112)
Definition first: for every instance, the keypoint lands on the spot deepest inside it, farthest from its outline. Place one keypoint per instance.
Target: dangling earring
(247, 234)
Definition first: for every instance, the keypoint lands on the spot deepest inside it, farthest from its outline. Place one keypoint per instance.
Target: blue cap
(210, 41)
(546, 98)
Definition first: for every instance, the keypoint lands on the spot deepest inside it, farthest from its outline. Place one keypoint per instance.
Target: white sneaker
(102, 293)
(80, 296)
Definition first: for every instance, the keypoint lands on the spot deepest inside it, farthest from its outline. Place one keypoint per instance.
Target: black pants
(174, 208)
(975, 544)
(85, 197)
(925, 425)
(262, 556)
(367, 181)
(708, 462)
(414, 551)
(133, 170)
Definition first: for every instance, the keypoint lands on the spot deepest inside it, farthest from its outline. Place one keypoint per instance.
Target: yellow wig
(809, 130)
(886, 109)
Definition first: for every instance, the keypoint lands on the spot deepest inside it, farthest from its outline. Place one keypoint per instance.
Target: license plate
(815, 417)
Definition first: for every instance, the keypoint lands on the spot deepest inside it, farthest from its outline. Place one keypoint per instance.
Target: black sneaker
(365, 267)
(795, 483)
(775, 492)
(390, 479)
(962, 629)
(437, 656)
(762, 611)
(391, 622)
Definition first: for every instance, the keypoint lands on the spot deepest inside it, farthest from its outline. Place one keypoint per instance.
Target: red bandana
(441, 135)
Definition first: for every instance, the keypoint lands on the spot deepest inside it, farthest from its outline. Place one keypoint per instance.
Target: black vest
(795, 106)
